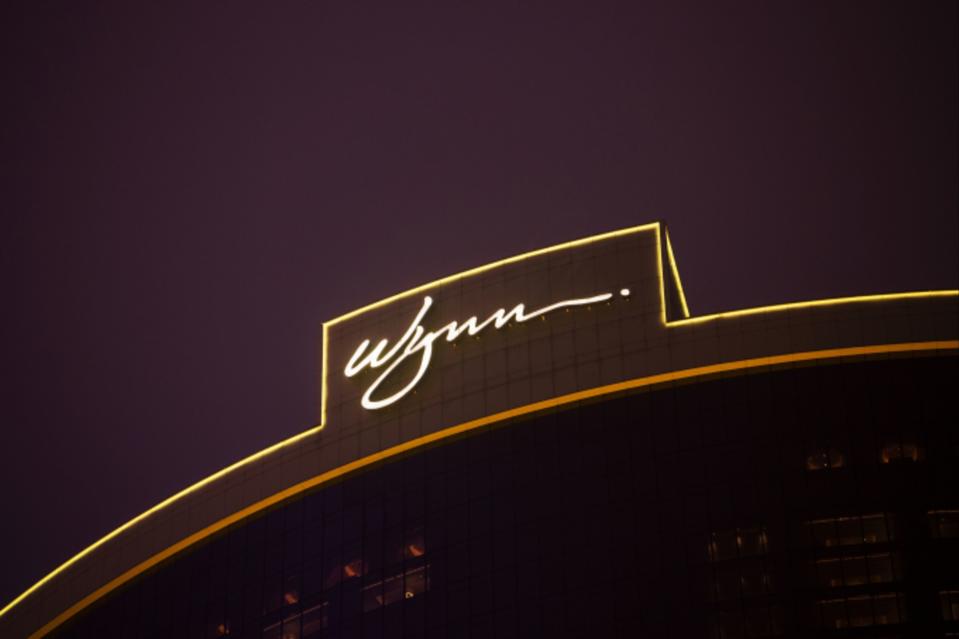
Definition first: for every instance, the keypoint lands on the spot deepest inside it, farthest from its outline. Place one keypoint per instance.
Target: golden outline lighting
(663, 248)
(417, 340)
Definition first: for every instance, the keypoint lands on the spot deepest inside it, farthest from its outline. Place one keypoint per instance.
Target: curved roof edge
(774, 360)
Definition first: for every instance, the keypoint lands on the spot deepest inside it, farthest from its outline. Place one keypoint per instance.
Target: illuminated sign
(418, 341)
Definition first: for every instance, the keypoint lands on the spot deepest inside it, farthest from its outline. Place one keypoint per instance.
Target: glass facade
(813, 501)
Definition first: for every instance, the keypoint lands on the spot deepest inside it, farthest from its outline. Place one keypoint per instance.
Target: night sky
(189, 192)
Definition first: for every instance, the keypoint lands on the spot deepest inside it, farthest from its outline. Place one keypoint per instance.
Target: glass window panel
(393, 590)
(723, 545)
(373, 546)
(291, 627)
(825, 459)
(274, 556)
(291, 589)
(881, 568)
(944, 523)
(886, 609)
(824, 532)
(833, 613)
(854, 571)
(730, 625)
(727, 584)
(777, 619)
(416, 583)
(874, 529)
(415, 544)
(949, 599)
(373, 596)
(829, 572)
(752, 541)
(860, 611)
(312, 578)
(851, 531)
(353, 569)
(314, 621)
(758, 622)
(272, 593)
(753, 578)
(293, 548)
(896, 451)
(848, 531)
(333, 567)
(738, 542)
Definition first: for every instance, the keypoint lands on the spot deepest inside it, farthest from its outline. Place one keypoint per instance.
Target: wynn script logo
(418, 342)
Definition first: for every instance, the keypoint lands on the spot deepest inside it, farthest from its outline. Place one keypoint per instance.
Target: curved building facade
(551, 445)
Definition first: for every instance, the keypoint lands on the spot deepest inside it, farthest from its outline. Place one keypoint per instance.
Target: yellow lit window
(825, 459)
(851, 531)
(866, 610)
(901, 451)
(738, 542)
(856, 570)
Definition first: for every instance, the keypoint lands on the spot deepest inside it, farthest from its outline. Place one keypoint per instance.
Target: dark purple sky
(190, 192)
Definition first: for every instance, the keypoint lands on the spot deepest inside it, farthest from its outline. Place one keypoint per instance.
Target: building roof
(600, 316)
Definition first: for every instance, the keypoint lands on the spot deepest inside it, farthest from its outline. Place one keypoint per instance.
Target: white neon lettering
(418, 341)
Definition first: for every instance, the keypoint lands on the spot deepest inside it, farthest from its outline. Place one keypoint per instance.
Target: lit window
(825, 459)
(833, 613)
(858, 570)
(886, 609)
(752, 541)
(759, 621)
(315, 620)
(395, 588)
(900, 451)
(944, 523)
(736, 543)
(876, 529)
(416, 583)
(353, 569)
(851, 531)
(950, 604)
(291, 627)
(866, 610)
(860, 611)
(344, 572)
(415, 546)
(291, 589)
(723, 545)
(829, 572)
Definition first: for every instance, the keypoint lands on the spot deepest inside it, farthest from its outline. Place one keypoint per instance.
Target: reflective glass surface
(787, 503)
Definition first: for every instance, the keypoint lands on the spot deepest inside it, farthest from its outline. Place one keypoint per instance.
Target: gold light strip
(163, 504)
(652, 380)
(657, 229)
(324, 376)
(654, 226)
(888, 297)
(487, 267)
(675, 269)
